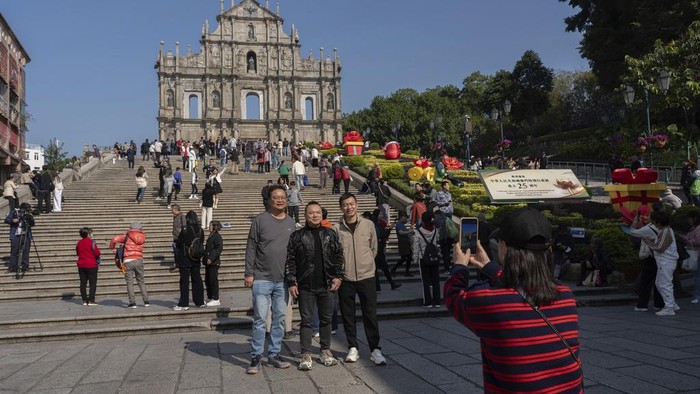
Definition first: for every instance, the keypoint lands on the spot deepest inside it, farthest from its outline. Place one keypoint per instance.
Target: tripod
(20, 255)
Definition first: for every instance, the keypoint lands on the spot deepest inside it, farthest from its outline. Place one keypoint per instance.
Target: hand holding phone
(468, 234)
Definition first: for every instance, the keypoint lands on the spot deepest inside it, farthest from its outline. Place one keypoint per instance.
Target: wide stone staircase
(46, 304)
(105, 202)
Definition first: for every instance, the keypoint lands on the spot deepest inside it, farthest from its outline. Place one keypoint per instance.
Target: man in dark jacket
(21, 222)
(44, 188)
(313, 272)
(383, 194)
(212, 261)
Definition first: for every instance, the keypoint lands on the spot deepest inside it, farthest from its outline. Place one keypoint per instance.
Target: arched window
(169, 99)
(194, 106)
(252, 105)
(288, 101)
(330, 101)
(309, 103)
(216, 99)
(252, 60)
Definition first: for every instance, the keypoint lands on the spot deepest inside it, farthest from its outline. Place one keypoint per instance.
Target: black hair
(312, 202)
(84, 232)
(346, 196)
(277, 187)
(661, 217)
(192, 219)
(694, 216)
(215, 225)
(402, 214)
(427, 218)
(324, 213)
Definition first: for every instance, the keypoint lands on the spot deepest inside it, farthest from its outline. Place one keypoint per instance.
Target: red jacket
(86, 255)
(133, 249)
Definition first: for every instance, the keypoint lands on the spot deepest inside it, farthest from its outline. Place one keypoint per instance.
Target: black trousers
(189, 270)
(12, 202)
(646, 283)
(131, 163)
(161, 188)
(430, 276)
(368, 304)
(14, 251)
(211, 280)
(407, 258)
(336, 186)
(381, 264)
(44, 201)
(294, 212)
(446, 251)
(88, 275)
(346, 183)
(308, 301)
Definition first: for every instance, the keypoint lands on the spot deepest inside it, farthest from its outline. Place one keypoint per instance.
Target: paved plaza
(623, 351)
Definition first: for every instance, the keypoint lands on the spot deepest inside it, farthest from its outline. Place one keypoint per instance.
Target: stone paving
(623, 352)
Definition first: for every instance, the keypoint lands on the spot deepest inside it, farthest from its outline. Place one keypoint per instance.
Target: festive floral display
(451, 163)
(505, 144)
(392, 150)
(422, 162)
(325, 145)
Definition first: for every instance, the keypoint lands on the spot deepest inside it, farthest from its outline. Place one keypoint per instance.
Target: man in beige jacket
(359, 239)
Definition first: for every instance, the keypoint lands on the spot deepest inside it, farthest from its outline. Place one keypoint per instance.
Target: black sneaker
(131, 306)
(255, 366)
(395, 286)
(289, 335)
(277, 362)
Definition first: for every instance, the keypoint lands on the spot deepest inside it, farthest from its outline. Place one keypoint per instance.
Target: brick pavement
(623, 352)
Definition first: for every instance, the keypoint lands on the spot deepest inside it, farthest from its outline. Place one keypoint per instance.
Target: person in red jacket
(133, 241)
(88, 260)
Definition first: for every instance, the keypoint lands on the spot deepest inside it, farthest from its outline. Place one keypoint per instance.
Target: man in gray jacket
(265, 258)
(359, 239)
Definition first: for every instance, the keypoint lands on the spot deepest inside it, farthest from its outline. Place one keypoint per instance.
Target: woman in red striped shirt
(522, 349)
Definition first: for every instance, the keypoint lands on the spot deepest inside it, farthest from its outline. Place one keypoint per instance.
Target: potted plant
(659, 140)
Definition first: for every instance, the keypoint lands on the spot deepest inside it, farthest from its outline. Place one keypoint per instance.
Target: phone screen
(469, 233)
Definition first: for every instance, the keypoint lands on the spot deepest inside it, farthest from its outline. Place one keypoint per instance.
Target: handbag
(119, 255)
(591, 279)
(306, 180)
(691, 263)
(98, 259)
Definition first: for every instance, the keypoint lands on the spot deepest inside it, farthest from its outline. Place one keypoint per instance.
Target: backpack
(431, 257)
(195, 250)
(695, 187)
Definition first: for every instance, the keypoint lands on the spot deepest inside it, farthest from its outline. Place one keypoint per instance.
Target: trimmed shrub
(411, 152)
(392, 171)
(356, 162)
(620, 246)
(375, 146)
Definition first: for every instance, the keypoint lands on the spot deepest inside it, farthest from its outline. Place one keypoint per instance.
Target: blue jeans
(266, 293)
(140, 193)
(300, 182)
(697, 285)
(247, 164)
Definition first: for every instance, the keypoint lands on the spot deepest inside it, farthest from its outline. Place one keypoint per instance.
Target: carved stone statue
(330, 104)
(287, 101)
(251, 32)
(216, 99)
(251, 63)
(169, 99)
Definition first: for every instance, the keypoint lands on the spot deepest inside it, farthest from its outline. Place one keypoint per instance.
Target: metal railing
(601, 171)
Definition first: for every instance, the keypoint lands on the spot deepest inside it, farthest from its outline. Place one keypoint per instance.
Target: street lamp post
(663, 81)
(397, 128)
(498, 114)
(435, 125)
(468, 135)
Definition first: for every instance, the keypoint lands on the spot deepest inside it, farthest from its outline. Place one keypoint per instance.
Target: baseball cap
(526, 228)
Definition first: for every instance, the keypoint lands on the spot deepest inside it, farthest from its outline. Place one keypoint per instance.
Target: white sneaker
(196, 198)
(377, 357)
(181, 308)
(214, 303)
(190, 197)
(666, 312)
(676, 307)
(638, 309)
(316, 335)
(694, 301)
(353, 355)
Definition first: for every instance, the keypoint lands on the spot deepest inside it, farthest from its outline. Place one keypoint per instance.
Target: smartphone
(469, 234)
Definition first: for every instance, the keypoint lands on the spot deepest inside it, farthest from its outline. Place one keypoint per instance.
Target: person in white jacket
(298, 171)
(57, 192)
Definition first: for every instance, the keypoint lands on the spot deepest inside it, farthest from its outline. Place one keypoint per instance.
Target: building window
(252, 60)
(252, 105)
(216, 99)
(36, 156)
(169, 99)
(288, 102)
(26, 155)
(309, 103)
(330, 101)
(194, 106)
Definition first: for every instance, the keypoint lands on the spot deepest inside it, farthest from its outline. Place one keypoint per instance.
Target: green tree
(680, 59)
(532, 82)
(54, 155)
(612, 29)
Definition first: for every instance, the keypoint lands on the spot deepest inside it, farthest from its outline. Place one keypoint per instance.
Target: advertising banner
(508, 186)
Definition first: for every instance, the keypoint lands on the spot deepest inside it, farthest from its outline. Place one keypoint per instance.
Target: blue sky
(91, 78)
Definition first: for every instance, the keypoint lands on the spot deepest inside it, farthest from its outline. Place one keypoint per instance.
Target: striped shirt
(519, 351)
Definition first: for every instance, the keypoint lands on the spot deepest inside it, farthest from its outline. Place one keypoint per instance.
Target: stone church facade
(248, 81)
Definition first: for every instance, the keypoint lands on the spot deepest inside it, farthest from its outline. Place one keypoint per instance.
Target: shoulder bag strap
(537, 309)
